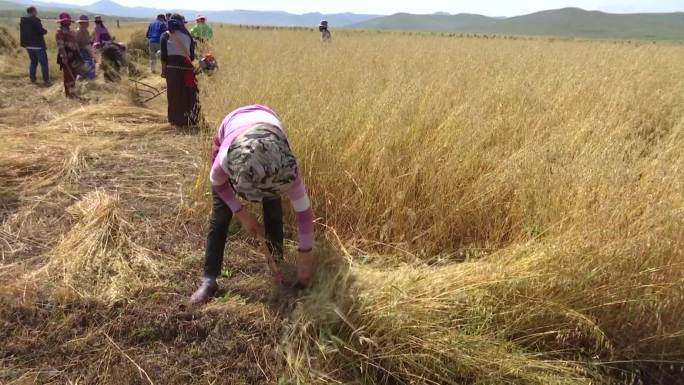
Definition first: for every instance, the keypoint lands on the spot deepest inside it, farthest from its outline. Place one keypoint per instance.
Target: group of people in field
(251, 156)
(176, 47)
(76, 48)
(201, 32)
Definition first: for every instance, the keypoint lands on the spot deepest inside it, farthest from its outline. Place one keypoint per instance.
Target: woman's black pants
(218, 232)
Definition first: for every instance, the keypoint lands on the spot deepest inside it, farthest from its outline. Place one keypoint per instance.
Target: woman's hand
(249, 223)
(305, 268)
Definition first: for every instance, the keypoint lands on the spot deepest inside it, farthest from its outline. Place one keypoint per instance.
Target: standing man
(202, 31)
(33, 39)
(154, 32)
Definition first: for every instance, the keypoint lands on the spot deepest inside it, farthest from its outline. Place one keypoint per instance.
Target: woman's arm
(164, 52)
(164, 49)
(61, 50)
(220, 183)
(304, 214)
(305, 231)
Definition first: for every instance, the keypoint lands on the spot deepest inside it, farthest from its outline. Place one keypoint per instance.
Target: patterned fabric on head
(260, 163)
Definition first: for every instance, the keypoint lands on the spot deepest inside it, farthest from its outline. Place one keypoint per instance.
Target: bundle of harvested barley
(97, 257)
(575, 310)
(7, 43)
(31, 172)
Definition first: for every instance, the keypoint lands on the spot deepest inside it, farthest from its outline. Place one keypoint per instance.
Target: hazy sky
(485, 7)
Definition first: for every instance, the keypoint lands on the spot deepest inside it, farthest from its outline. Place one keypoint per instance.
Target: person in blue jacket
(33, 39)
(154, 32)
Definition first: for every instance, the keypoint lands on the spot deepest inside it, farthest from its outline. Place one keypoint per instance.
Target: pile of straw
(97, 257)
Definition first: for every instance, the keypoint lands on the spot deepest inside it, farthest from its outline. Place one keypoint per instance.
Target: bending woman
(251, 158)
(177, 55)
(101, 36)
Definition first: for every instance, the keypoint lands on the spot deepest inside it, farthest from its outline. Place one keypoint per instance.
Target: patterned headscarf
(260, 163)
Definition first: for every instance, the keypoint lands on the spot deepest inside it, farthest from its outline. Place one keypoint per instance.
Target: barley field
(489, 211)
(512, 210)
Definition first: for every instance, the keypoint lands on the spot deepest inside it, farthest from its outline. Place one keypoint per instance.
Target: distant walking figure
(68, 55)
(33, 39)
(154, 32)
(177, 55)
(252, 159)
(325, 33)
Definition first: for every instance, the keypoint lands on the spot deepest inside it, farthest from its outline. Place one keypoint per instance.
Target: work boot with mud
(207, 290)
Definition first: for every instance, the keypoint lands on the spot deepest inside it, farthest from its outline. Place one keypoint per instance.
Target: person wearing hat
(252, 159)
(154, 32)
(325, 33)
(177, 55)
(68, 55)
(85, 47)
(32, 37)
(101, 34)
(202, 31)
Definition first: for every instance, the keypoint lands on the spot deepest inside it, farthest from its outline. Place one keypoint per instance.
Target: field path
(54, 153)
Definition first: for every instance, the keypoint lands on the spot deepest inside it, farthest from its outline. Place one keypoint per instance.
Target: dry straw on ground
(97, 257)
(522, 201)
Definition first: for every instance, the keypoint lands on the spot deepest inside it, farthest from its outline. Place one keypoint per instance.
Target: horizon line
(436, 13)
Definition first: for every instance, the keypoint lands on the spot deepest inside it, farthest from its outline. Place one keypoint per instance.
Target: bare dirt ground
(53, 153)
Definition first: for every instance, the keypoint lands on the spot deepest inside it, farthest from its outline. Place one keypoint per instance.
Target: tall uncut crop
(555, 169)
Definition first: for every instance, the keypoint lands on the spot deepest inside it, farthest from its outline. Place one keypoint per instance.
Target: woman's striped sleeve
(304, 214)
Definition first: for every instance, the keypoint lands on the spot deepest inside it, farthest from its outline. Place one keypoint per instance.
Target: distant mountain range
(566, 22)
(276, 18)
